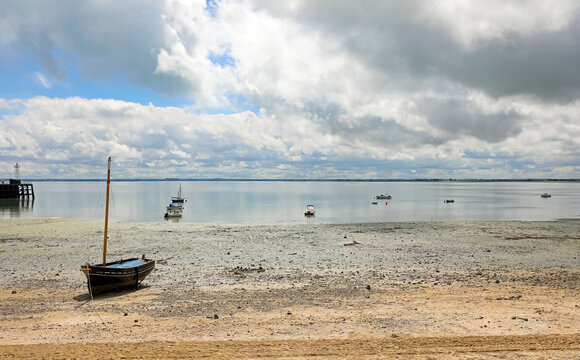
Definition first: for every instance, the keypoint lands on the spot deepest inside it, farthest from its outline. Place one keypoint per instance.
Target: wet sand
(418, 290)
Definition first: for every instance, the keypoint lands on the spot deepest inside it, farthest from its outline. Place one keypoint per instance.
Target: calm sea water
(273, 202)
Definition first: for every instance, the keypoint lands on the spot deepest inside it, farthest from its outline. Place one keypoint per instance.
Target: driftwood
(354, 242)
(164, 261)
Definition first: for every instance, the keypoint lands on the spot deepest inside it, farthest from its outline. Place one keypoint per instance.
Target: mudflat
(421, 290)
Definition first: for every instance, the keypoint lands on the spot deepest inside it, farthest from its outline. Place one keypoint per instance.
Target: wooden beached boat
(109, 276)
(117, 274)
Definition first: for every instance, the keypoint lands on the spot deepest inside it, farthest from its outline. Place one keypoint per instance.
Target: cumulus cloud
(306, 88)
(476, 25)
(149, 141)
(103, 39)
(160, 140)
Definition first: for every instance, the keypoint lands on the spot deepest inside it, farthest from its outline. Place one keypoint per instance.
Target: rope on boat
(87, 269)
(90, 287)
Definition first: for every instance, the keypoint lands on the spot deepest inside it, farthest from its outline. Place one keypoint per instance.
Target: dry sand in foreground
(420, 290)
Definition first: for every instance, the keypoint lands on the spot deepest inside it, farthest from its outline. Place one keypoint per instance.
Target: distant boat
(546, 195)
(449, 201)
(117, 274)
(175, 209)
(309, 210)
(178, 199)
(383, 197)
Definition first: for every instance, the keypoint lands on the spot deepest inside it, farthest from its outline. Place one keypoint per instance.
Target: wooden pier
(16, 189)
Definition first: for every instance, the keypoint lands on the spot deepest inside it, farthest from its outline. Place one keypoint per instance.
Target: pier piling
(16, 189)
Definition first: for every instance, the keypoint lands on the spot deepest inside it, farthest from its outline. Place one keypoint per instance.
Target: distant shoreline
(311, 180)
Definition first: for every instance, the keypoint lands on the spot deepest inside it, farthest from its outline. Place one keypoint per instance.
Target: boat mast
(107, 212)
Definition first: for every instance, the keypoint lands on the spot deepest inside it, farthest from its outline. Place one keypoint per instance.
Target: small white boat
(178, 199)
(546, 195)
(309, 210)
(383, 197)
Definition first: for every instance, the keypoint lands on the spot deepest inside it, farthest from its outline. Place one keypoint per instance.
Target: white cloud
(43, 81)
(55, 132)
(474, 24)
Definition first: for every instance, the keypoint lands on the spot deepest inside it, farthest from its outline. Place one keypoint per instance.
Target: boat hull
(383, 197)
(174, 212)
(170, 215)
(109, 277)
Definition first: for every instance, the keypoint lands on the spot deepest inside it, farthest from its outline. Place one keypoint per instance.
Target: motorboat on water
(546, 195)
(174, 211)
(309, 210)
(449, 201)
(383, 197)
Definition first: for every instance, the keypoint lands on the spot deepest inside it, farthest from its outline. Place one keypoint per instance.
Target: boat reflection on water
(16, 207)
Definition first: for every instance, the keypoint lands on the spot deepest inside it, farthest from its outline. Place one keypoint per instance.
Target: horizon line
(320, 180)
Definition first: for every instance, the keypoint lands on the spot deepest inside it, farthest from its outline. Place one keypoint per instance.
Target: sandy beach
(421, 290)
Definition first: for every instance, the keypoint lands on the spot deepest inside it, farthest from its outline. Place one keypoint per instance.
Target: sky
(296, 89)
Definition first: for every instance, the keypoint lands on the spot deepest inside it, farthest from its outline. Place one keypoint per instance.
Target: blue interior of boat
(128, 264)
